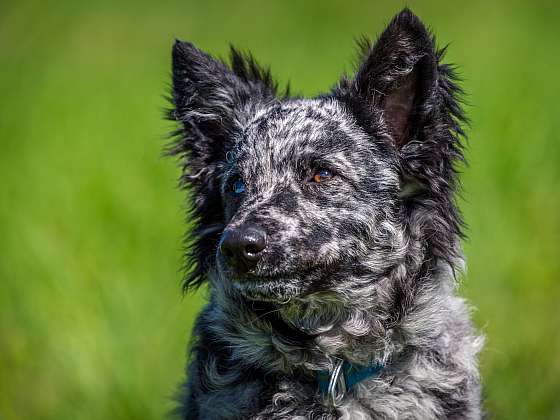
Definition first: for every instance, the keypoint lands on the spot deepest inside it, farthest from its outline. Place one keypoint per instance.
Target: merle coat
(326, 229)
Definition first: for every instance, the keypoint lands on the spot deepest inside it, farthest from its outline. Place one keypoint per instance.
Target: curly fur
(362, 267)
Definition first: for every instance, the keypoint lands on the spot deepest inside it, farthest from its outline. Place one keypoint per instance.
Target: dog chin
(277, 290)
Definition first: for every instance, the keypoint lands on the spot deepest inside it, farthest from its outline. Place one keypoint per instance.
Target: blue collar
(334, 385)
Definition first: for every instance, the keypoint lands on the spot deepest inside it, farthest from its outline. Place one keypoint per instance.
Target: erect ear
(210, 101)
(398, 75)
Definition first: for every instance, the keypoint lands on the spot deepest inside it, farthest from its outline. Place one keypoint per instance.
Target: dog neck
(285, 339)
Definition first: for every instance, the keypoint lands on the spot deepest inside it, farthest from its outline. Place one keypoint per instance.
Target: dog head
(301, 197)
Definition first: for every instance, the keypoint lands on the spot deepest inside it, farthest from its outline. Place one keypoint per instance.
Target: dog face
(307, 195)
(295, 197)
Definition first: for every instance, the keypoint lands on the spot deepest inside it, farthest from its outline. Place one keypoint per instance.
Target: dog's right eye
(238, 187)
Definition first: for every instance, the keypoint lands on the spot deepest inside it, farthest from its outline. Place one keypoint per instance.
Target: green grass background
(92, 321)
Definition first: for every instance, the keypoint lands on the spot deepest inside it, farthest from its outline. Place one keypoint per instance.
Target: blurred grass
(92, 323)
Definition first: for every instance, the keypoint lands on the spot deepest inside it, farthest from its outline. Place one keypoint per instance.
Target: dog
(328, 232)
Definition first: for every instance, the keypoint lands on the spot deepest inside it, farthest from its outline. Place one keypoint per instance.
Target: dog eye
(322, 175)
(238, 187)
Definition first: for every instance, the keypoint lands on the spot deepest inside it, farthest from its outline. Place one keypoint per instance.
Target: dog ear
(401, 92)
(210, 101)
(398, 74)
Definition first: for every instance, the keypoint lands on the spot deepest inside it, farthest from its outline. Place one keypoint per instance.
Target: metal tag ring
(337, 385)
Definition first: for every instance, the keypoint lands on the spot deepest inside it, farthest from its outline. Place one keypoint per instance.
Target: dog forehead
(302, 122)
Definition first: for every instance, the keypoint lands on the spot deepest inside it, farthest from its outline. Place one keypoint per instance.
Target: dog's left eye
(322, 175)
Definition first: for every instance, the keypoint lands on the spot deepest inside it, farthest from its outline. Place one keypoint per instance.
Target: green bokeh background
(92, 321)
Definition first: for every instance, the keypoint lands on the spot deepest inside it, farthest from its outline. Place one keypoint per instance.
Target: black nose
(243, 247)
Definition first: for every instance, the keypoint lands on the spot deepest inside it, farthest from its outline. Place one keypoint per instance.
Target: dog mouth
(268, 284)
(281, 287)
(278, 288)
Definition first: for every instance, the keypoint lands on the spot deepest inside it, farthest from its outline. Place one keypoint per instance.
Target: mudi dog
(329, 236)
